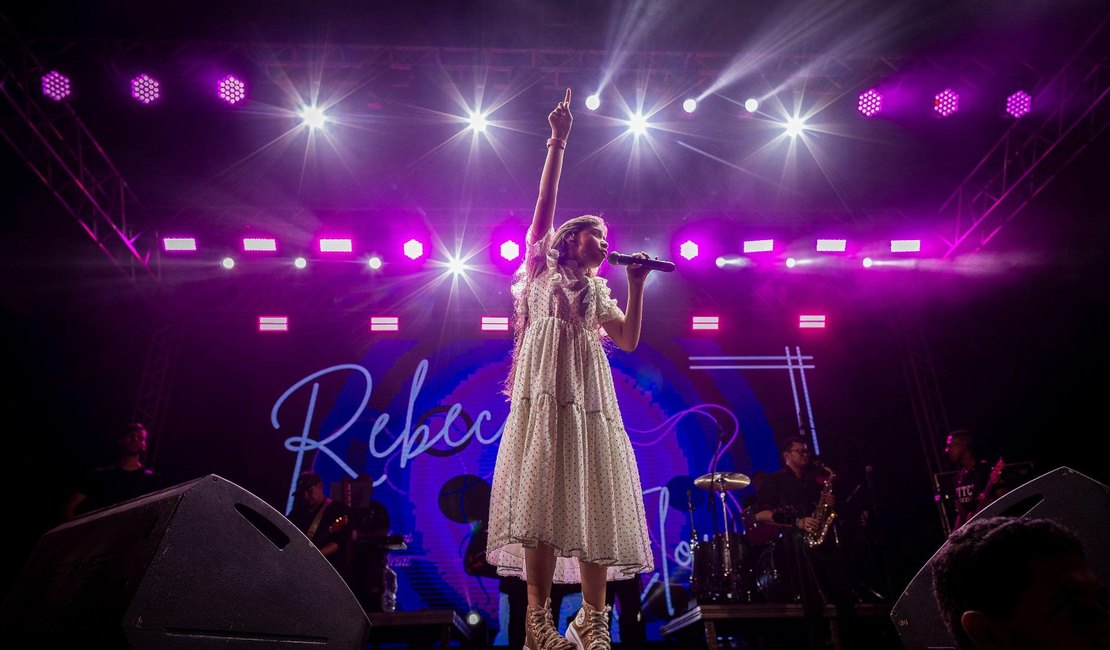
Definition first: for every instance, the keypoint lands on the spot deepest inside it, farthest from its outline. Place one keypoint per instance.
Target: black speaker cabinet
(205, 564)
(1062, 495)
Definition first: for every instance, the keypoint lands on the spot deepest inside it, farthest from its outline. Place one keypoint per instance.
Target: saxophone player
(797, 502)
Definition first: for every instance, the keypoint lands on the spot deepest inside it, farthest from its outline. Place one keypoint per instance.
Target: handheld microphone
(616, 258)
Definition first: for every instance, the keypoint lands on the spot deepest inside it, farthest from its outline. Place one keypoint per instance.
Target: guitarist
(323, 521)
(975, 480)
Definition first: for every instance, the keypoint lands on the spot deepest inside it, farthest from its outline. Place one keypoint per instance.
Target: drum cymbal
(723, 481)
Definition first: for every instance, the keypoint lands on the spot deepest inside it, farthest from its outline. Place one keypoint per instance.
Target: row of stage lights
(501, 323)
(147, 90)
(510, 250)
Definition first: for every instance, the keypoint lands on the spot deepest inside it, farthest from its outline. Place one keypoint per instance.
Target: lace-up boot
(540, 632)
(590, 628)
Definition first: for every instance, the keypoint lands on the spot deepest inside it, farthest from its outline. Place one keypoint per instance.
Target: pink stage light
(261, 244)
(510, 250)
(231, 90)
(273, 323)
(831, 245)
(384, 324)
(946, 102)
(495, 323)
(759, 246)
(688, 250)
(55, 85)
(705, 323)
(145, 88)
(870, 102)
(905, 246)
(179, 243)
(1019, 103)
(811, 321)
(335, 246)
(414, 250)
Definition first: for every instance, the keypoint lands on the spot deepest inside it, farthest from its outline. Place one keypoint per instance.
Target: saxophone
(824, 514)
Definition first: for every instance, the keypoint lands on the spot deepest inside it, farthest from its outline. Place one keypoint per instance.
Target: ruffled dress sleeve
(607, 308)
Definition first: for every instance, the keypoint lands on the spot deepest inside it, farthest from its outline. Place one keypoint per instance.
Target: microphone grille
(613, 257)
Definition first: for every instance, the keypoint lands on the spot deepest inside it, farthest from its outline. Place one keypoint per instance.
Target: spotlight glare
(831, 245)
(795, 126)
(1017, 104)
(313, 117)
(791, 262)
(300, 263)
(456, 265)
(473, 618)
(227, 263)
(759, 246)
(870, 103)
(179, 243)
(55, 85)
(690, 105)
(946, 102)
(751, 105)
(868, 262)
(231, 90)
(374, 263)
(477, 122)
(510, 250)
(413, 249)
(688, 250)
(593, 102)
(145, 88)
(905, 246)
(637, 124)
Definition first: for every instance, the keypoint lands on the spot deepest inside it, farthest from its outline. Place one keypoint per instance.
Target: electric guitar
(963, 514)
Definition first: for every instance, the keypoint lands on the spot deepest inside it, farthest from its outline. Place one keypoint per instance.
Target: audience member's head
(1011, 582)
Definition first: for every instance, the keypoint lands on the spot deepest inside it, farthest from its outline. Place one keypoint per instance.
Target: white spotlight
(478, 122)
(593, 102)
(690, 105)
(300, 263)
(751, 104)
(795, 126)
(228, 263)
(313, 117)
(456, 266)
(637, 124)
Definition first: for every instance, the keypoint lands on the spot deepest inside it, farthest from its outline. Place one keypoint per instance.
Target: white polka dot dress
(566, 474)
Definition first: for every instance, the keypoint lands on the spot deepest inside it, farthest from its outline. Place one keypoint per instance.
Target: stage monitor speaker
(1063, 495)
(205, 564)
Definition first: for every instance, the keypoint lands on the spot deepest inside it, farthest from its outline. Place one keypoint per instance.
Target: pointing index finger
(567, 99)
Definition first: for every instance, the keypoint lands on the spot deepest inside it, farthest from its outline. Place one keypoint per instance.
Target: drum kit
(735, 565)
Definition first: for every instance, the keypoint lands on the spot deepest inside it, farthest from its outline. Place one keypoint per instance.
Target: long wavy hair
(532, 269)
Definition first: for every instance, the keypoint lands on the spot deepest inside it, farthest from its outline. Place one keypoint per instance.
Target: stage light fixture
(177, 244)
(336, 245)
(413, 249)
(705, 323)
(759, 246)
(228, 263)
(688, 250)
(1019, 103)
(473, 618)
(593, 102)
(795, 126)
(260, 244)
(637, 124)
(510, 250)
(870, 103)
(751, 104)
(55, 85)
(145, 88)
(791, 262)
(231, 89)
(273, 323)
(690, 105)
(811, 321)
(456, 265)
(477, 122)
(374, 262)
(313, 117)
(868, 262)
(831, 245)
(946, 102)
(495, 323)
(384, 324)
(905, 246)
(300, 263)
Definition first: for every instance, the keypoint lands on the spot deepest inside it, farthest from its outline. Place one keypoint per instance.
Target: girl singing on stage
(567, 504)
